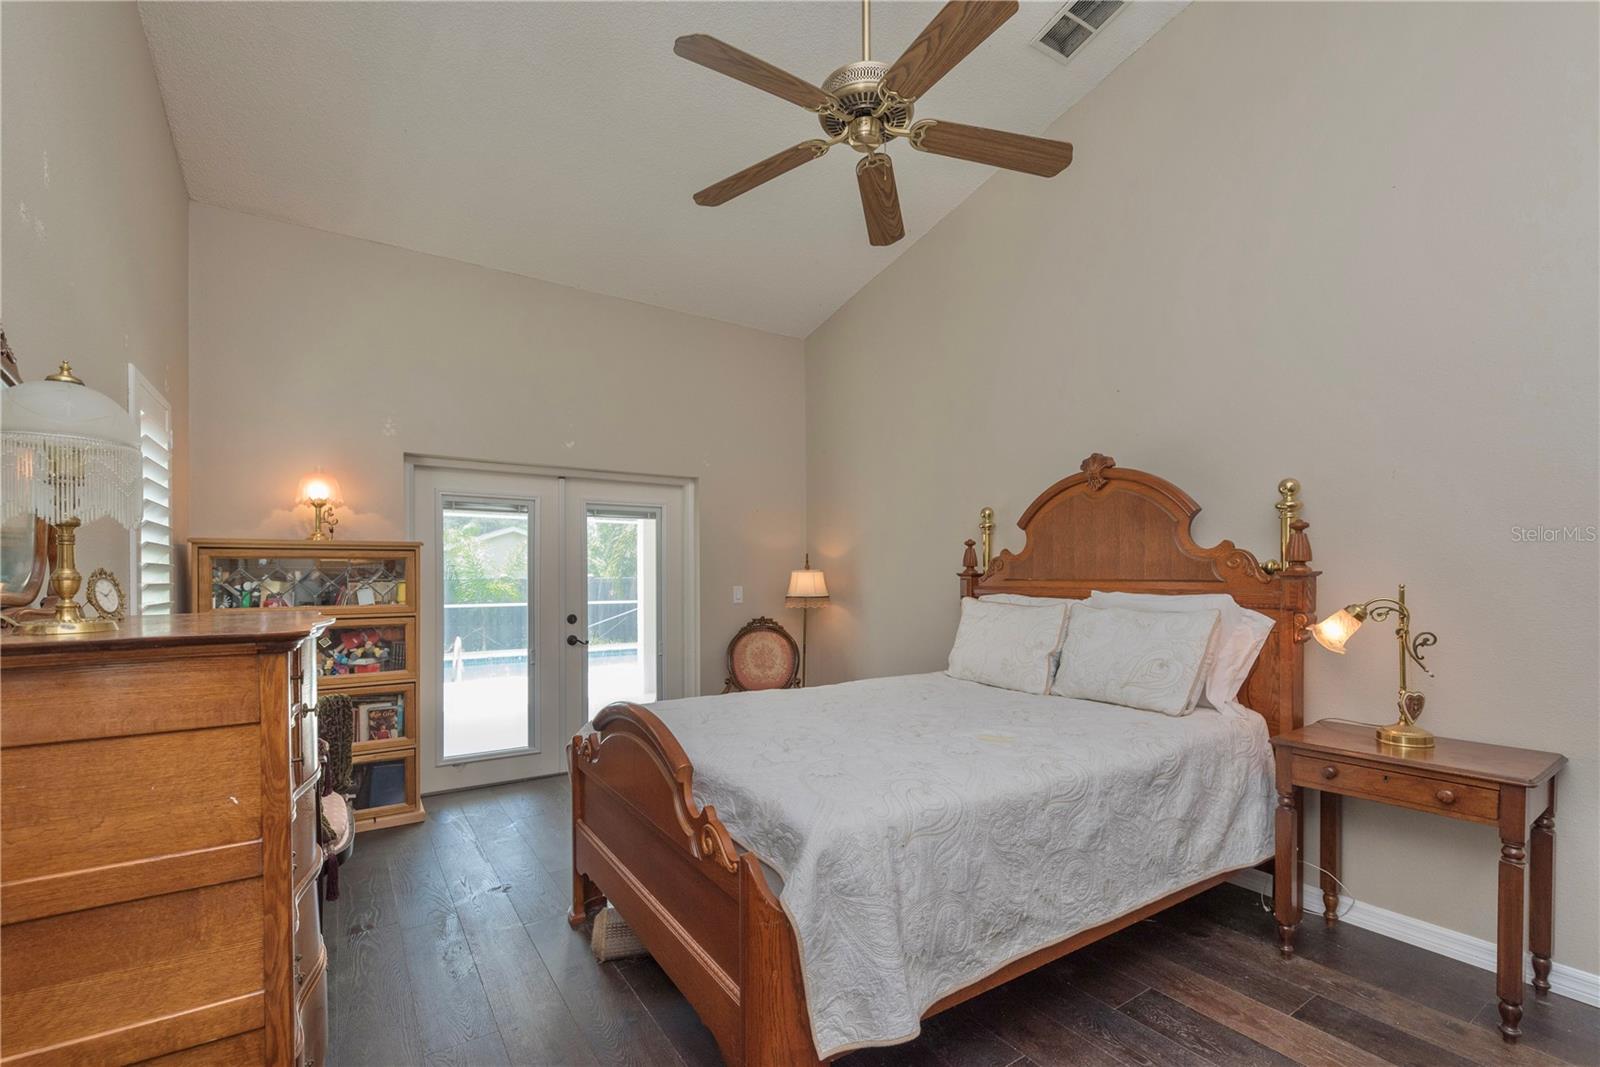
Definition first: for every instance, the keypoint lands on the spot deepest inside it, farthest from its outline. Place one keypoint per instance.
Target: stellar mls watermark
(1547, 535)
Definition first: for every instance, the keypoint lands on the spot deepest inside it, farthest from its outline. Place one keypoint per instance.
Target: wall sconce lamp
(321, 492)
(1332, 633)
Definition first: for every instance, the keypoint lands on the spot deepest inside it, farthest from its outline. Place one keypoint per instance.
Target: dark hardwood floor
(450, 945)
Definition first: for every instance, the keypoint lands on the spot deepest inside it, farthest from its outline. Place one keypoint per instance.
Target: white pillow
(1139, 659)
(1007, 645)
(1020, 598)
(1241, 634)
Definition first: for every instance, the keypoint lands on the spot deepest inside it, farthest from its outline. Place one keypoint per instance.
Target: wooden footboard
(700, 906)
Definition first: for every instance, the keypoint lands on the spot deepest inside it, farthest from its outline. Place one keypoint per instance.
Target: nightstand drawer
(1395, 787)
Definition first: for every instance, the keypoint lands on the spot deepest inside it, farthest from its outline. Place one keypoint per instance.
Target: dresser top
(1472, 759)
(266, 625)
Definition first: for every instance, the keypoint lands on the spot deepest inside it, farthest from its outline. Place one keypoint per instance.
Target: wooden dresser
(158, 813)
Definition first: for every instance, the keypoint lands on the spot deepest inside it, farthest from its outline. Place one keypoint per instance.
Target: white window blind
(152, 541)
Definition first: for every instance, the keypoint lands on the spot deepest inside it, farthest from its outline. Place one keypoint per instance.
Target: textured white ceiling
(562, 140)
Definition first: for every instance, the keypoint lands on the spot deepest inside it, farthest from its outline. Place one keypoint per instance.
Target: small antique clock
(105, 595)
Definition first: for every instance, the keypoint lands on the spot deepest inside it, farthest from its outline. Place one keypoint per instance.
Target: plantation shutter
(152, 541)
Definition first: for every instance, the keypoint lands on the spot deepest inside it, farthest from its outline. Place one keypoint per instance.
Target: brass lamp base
(65, 581)
(57, 627)
(1404, 734)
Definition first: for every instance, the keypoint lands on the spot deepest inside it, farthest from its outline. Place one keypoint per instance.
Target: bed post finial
(1297, 550)
(969, 574)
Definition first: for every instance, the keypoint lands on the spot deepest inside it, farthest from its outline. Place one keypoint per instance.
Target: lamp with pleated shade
(807, 589)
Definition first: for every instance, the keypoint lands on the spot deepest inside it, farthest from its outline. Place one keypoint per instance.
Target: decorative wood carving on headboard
(1121, 530)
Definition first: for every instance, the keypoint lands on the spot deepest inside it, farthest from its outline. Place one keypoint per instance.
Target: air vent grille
(1073, 25)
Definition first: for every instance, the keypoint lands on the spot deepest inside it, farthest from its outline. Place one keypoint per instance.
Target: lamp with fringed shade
(69, 455)
(807, 589)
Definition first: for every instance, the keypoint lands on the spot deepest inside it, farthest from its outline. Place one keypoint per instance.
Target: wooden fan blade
(880, 199)
(742, 66)
(958, 28)
(977, 144)
(760, 173)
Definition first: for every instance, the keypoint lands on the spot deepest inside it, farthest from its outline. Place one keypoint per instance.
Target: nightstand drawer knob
(1330, 771)
(1445, 796)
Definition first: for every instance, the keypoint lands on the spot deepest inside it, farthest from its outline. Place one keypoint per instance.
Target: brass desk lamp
(1331, 633)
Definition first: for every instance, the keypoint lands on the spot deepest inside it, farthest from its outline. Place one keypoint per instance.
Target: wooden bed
(702, 905)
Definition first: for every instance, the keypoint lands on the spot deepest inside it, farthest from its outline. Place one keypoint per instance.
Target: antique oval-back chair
(762, 655)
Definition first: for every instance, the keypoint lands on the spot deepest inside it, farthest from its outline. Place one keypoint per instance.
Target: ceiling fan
(868, 104)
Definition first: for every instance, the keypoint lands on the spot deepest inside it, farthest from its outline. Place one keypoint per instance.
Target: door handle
(572, 639)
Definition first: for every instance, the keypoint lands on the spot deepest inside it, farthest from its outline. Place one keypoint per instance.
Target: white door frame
(689, 657)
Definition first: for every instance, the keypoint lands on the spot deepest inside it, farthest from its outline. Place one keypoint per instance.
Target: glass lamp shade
(1331, 633)
(319, 488)
(68, 452)
(807, 589)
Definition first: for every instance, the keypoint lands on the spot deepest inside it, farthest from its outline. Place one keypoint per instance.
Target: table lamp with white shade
(807, 589)
(69, 455)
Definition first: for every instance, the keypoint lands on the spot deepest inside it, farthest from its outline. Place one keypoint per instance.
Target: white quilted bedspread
(928, 830)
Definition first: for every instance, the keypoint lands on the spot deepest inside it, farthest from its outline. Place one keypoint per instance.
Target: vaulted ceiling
(562, 140)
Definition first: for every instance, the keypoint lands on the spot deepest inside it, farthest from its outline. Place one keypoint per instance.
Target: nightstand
(1479, 783)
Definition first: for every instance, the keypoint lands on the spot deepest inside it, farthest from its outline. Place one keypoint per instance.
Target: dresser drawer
(303, 761)
(307, 935)
(1437, 795)
(303, 674)
(311, 1027)
(304, 852)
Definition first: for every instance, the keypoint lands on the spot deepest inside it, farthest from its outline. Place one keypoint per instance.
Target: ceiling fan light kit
(866, 104)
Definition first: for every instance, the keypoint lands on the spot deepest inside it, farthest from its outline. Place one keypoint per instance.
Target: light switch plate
(738, 594)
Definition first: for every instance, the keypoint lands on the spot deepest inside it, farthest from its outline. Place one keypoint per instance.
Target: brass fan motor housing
(855, 86)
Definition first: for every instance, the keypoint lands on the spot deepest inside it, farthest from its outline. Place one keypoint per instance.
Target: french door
(630, 540)
(548, 597)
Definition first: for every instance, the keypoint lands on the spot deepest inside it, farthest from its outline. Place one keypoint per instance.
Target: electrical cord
(1266, 906)
(1344, 893)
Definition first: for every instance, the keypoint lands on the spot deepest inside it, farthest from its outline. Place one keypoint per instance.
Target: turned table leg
(1513, 881)
(1330, 812)
(1286, 860)
(1541, 872)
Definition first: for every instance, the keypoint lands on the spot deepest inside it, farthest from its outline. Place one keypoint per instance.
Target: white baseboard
(1568, 981)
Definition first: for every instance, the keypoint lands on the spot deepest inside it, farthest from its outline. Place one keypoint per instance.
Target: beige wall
(311, 348)
(94, 230)
(1355, 244)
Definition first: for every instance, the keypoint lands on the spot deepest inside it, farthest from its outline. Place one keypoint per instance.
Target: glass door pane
(624, 604)
(488, 665)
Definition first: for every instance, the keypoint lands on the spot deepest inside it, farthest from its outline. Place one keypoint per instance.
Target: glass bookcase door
(364, 651)
(384, 717)
(372, 583)
(386, 784)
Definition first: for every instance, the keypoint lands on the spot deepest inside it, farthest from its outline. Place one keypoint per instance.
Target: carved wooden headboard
(1121, 530)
